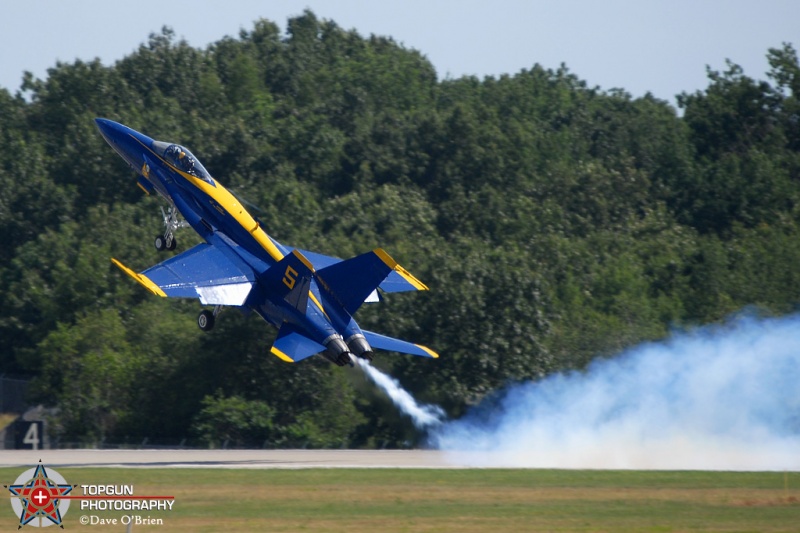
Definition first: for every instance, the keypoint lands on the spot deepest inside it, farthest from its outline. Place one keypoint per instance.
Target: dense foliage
(554, 223)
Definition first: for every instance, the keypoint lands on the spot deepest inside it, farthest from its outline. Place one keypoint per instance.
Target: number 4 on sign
(32, 436)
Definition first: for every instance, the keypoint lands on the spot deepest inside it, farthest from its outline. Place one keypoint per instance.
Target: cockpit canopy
(182, 159)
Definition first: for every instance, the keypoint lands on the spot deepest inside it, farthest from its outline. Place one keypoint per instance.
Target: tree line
(553, 221)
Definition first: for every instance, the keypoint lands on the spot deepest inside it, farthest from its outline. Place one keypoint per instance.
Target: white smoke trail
(719, 398)
(423, 416)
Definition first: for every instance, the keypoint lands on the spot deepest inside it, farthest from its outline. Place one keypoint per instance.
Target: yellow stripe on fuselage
(231, 205)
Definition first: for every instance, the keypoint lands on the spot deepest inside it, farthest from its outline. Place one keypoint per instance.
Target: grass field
(378, 500)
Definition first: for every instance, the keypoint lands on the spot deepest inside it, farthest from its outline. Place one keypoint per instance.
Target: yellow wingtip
(428, 351)
(282, 356)
(143, 280)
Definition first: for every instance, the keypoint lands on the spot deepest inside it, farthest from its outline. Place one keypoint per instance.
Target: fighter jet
(309, 297)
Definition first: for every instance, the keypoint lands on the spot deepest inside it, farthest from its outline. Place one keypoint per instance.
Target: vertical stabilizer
(290, 279)
(351, 282)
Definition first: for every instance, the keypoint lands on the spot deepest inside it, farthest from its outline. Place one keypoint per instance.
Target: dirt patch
(777, 502)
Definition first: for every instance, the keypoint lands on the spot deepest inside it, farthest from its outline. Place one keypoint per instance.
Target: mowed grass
(388, 500)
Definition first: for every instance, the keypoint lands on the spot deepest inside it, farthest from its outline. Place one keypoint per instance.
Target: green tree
(85, 372)
(233, 421)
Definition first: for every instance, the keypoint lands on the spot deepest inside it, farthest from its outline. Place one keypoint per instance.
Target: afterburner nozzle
(338, 352)
(359, 346)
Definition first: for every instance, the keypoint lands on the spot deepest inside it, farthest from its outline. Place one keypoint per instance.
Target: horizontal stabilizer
(320, 261)
(292, 346)
(397, 282)
(382, 342)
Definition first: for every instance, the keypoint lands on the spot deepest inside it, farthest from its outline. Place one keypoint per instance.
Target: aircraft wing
(202, 272)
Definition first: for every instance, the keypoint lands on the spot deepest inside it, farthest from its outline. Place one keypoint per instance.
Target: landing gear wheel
(160, 243)
(172, 243)
(205, 320)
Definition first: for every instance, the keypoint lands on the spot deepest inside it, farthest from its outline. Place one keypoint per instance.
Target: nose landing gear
(163, 242)
(171, 223)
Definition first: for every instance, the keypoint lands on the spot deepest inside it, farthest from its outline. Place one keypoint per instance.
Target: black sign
(28, 435)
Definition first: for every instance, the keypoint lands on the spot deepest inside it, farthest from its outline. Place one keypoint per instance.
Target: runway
(238, 458)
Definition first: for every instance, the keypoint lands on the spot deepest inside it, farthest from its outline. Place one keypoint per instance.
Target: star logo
(36, 497)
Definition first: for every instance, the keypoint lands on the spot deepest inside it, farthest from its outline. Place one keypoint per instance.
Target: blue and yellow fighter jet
(310, 298)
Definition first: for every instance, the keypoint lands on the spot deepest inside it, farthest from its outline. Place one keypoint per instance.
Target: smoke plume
(423, 416)
(718, 398)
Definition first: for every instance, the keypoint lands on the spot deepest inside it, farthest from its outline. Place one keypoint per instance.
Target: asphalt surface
(237, 458)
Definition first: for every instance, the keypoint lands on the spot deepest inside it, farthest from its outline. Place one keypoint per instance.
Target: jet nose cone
(108, 128)
(125, 141)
